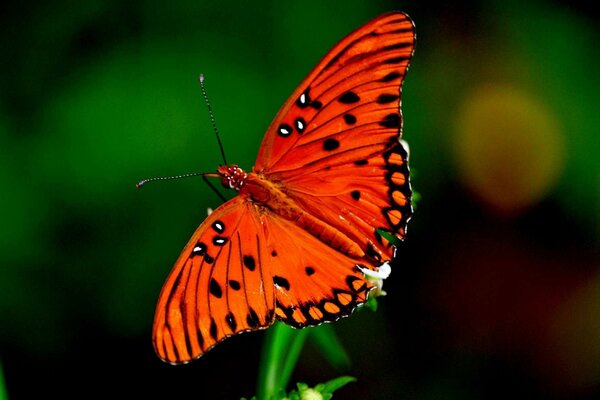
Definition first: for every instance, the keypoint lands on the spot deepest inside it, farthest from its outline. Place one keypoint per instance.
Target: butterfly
(297, 241)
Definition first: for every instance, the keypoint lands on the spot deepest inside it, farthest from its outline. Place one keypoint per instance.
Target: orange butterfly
(296, 242)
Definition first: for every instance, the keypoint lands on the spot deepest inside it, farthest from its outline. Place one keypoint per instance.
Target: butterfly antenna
(212, 117)
(168, 178)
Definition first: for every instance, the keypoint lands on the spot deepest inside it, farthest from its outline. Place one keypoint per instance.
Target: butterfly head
(232, 176)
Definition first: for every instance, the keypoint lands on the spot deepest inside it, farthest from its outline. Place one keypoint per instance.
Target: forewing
(335, 145)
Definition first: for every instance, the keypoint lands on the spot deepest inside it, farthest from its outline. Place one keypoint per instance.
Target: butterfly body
(268, 196)
(297, 241)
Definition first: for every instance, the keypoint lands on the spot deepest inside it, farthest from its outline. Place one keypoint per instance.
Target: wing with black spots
(216, 289)
(335, 144)
(313, 282)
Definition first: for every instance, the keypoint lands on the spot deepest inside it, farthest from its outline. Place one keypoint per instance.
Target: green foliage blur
(497, 289)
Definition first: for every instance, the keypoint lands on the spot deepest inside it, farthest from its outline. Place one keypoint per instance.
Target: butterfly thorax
(271, 195)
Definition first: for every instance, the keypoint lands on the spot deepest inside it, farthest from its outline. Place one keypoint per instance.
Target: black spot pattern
(355, 195)
(371, 252)
(281, 282)
(230, 319)
(378, 236)
(215, 288)
(300, 124)
(208, 259)
(219, 240)
(199, 249)
(330, 144)
(391, 157)
(274, 253)
(304, 99)
(387, 98)
(284, 130)
(329, 309)
(235, 285)
(218, 226)
(349, 98)
(309, 271)
(361, 162)
(213, 328)
(391, 121)
(350, 119)
(316, 105)
(252, 319)
(390, 77)
(249, 263)
(395, 60)
(350, 279)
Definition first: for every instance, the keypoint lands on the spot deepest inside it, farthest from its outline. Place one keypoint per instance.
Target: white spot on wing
(404, 144)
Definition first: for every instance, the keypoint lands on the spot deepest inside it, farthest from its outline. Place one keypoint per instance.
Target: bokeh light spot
(509, 148)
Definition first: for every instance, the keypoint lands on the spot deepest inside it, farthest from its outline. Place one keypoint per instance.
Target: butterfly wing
(334, 145)
(243, 267)
(334, 148)
(216, 288)
(313, 282)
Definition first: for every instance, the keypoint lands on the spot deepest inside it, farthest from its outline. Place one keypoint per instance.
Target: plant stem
(279, 356)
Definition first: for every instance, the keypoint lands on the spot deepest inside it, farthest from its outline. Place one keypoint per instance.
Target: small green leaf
(389, 237)
(334, 384)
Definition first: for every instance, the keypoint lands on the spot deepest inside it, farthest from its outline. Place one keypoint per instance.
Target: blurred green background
(497, 292)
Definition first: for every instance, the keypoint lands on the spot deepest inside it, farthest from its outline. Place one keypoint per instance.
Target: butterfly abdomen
(268, 194)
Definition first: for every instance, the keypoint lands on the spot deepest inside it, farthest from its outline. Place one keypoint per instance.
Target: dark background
(497, 292)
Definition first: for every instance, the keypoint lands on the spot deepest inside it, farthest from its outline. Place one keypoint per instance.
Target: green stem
(279, 356)
(298, 338)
